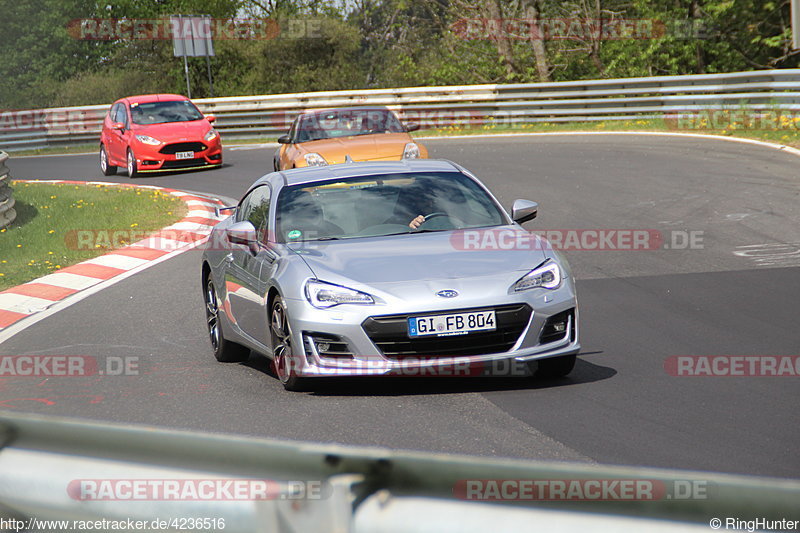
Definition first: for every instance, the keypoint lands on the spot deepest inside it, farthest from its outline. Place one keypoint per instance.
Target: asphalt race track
(736, 292)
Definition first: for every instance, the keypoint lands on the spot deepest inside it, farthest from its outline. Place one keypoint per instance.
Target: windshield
(384, 205)
(163, 112)
(347, 123)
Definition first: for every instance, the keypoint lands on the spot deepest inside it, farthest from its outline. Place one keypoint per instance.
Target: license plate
(456, 324)
(184, 155)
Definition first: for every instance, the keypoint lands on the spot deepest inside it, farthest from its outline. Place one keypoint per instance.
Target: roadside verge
(34, 297)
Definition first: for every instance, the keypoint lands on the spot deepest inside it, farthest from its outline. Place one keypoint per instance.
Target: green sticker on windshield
(295, 234)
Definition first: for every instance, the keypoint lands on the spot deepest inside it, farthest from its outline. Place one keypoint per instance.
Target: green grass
(60, 150)
(45, 235)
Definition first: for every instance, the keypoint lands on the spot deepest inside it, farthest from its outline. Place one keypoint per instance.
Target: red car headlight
(146, 139)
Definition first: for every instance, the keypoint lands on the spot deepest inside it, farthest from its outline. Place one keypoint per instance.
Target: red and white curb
(34, 297)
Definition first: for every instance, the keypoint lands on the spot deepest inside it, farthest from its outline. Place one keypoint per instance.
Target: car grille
(390, 334)
(184, 163)
(183, 147)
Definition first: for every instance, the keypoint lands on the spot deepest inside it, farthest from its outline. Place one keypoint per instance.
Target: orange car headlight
(411, 151)
(313, 159)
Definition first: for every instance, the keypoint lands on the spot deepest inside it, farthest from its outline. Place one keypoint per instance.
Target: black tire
(555, 367)
(106, 168)
(133, 170)
(225, 351)
(282, 357)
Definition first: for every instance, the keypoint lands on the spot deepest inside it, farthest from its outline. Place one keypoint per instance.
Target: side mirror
(412, 126)
(242, 233)
(524, 210)
(284, 139)
(211, 118)
(119, 126)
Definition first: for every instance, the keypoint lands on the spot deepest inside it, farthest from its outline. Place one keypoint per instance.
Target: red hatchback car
(158, 133)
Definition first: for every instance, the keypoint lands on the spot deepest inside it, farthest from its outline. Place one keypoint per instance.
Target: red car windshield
(163, 112)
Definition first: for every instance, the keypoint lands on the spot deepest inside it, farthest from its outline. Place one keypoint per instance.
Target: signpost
(796, 24)
(192, 37)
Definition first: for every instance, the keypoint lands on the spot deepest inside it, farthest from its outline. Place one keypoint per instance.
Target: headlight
(323, 295)
(146, 139)
(547, 276)
(315, 160)
(211, 135)
(411, 151)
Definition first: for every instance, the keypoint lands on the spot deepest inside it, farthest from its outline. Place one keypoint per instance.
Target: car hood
(402, 265)
(175, 131)
(360, 147)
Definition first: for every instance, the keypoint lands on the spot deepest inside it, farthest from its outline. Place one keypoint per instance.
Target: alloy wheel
(281, 341)
(212, 315)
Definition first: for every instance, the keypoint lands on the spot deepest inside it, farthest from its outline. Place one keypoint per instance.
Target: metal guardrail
(592, 100)
(7, 212)
(366, 489)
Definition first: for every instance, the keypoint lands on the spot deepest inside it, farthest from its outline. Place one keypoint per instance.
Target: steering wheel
(434, 215)
(457, 222)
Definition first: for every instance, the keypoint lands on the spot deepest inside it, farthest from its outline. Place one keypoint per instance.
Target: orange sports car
(330, 136)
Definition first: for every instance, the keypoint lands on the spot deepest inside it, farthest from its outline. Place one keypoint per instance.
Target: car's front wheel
(282, 350)
(131, 165)
(105, 166)
(555, 367)
(224, 350)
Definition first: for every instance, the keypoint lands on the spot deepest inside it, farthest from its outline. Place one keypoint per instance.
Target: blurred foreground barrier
(667, 97)
(58, 469)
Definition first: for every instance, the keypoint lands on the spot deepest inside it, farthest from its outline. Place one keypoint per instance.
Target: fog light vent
(326, 345)
(556, 327)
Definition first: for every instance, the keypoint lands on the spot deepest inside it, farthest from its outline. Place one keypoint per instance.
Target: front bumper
(338, 341)
(160, 159)
(357, 157)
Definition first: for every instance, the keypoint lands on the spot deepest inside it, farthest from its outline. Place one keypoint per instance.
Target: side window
(112, 113)
(293, 131)
(255, 209)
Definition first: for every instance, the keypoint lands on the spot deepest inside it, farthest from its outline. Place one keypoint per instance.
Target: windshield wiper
(426, 230)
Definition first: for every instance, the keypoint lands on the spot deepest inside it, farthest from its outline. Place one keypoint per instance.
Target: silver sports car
(391, 268)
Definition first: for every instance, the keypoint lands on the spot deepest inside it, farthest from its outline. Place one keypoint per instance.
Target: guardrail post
(7, 211)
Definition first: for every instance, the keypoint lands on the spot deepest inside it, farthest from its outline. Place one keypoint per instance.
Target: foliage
(353, 44)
